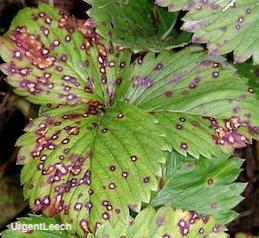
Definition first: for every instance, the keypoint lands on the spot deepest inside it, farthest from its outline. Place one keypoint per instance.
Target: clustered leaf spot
(229, 134)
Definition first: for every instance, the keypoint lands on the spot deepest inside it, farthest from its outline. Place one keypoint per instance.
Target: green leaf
(225, 26)
(203, 185)
(89, 168)
(95, 156)
(195, 101)
(250, 71)
(139, 25)
(166, 223)
(53, 58)
(42, 227)
(174, 5)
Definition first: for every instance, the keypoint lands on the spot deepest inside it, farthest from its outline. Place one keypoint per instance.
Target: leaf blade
(206, 186)
(165, 222)
(123, 22)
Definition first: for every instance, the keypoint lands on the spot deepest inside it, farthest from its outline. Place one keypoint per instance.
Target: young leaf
(225, 26)
(203, 185)
(165, 223)
(18, 229)
(137, 24)
(195, 101)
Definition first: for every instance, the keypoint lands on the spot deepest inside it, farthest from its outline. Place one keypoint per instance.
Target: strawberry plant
(137, 122)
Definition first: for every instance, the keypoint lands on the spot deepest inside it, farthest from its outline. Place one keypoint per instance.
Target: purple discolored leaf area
(54, 58)
(190, 93)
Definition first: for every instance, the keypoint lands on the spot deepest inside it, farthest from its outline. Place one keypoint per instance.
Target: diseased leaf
(89, 168)
(53, 58)
(195, 101)
(165, 223)
(137, 24)
(174, 5)
(96, 151)
(225, 26)
(45, 222)
(203, 185)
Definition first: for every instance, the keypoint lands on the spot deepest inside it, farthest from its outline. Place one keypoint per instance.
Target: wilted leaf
(225, 26)
(203, 185)
(137, 24)
(165, 223)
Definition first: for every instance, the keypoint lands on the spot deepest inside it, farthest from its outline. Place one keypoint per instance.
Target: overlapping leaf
(165, 223)
(139, 25)
(225, 26)
(203, 185)
(195, 101)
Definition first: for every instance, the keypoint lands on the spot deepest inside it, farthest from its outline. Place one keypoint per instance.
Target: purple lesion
(194, 83)
(159, 67)
(32, 87)
(32, 48)
(168, 93)
(160, 221)
(229, 133)
(184, 227)
(57, 174)
(142, 82)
